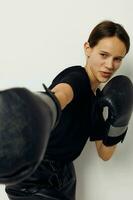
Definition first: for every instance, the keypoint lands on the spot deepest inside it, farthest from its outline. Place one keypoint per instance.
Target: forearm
(104, 152)
(63, 93)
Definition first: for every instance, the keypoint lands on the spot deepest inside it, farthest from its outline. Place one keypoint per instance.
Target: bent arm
(64, 94)
(104, 152)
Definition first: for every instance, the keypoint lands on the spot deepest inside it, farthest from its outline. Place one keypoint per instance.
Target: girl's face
(104, 59)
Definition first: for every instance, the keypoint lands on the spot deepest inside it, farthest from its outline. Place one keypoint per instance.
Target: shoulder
(70, 70)
(71, 75)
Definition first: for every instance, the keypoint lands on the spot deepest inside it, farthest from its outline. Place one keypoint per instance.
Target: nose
(109, 64)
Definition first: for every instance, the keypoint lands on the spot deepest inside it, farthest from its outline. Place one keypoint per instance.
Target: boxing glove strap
(57, 104)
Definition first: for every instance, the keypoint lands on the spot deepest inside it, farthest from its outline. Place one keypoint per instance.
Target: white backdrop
(39, 38)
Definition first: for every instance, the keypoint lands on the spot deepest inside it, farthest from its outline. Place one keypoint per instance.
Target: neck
(94, 83)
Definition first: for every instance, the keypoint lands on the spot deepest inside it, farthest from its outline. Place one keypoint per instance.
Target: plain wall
(39, 38)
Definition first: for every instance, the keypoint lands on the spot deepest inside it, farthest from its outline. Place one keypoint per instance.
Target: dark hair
(109, 29)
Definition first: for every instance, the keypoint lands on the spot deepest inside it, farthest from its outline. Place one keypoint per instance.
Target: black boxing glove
(117, 96)
(26, 120)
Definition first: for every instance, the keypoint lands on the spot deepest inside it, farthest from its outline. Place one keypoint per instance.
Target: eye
(118, 59)
(103, 55)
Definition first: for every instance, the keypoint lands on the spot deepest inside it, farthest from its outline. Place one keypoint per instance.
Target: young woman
(75, 88)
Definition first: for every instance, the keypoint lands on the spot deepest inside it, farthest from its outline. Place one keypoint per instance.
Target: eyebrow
(110, 54)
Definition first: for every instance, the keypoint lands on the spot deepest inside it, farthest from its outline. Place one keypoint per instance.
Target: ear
(87, 49)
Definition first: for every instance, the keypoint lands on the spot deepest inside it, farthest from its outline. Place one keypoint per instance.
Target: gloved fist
(26, 120)
(117, 96)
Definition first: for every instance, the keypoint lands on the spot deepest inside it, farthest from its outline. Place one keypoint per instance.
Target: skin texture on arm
(104, 152)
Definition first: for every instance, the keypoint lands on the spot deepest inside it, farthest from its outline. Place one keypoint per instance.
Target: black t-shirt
(68, 139)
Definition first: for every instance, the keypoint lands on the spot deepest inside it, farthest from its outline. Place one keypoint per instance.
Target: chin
(103, 80)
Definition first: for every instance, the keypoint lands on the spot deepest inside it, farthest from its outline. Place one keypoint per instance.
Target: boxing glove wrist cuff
(49, 98)
(57, 103)
(113, 140)
(116, 131)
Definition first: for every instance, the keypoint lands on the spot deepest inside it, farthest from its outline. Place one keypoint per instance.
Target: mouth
(106, 74)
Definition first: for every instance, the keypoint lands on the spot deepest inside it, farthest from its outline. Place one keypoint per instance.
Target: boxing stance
(38, 147)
